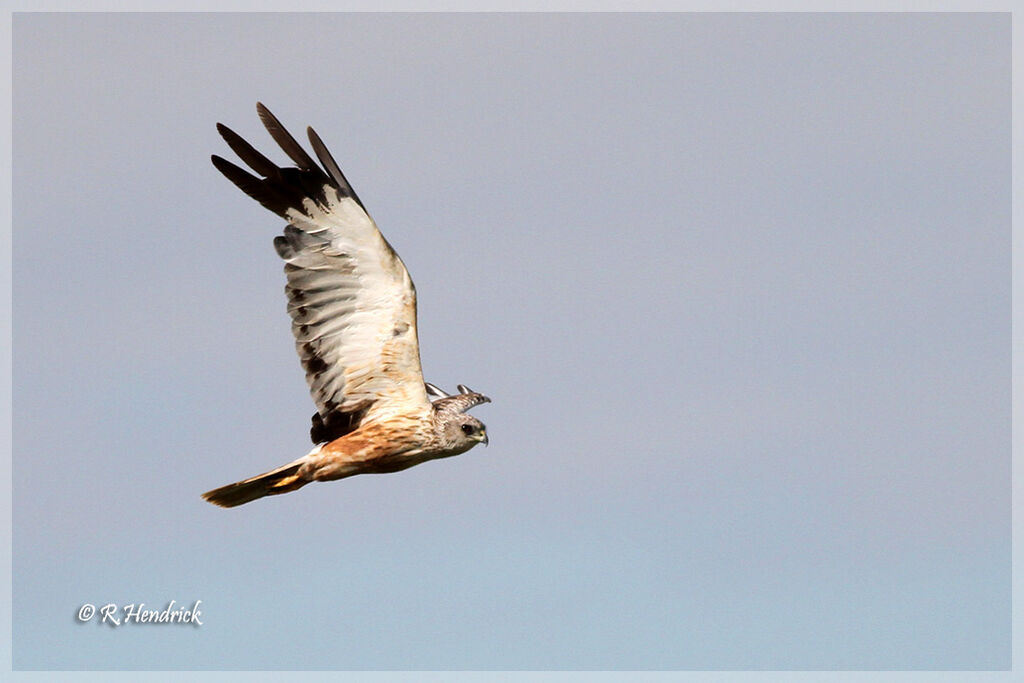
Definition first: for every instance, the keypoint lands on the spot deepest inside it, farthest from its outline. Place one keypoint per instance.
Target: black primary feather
(332, 167)
(292, 148)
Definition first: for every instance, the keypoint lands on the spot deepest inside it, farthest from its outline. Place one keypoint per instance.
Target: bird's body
(353, 310)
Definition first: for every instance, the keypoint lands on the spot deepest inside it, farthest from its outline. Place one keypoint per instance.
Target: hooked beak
(483, 437)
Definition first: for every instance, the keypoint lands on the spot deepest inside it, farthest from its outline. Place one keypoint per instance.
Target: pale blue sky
(739, 286)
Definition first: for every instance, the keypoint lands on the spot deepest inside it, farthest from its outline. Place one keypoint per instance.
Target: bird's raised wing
(461, 402)
(352, 302)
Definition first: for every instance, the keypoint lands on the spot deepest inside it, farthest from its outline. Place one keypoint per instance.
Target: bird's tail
(282, 480)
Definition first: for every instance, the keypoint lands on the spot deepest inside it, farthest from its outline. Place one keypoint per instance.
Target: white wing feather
(353, 306)
(350, 297)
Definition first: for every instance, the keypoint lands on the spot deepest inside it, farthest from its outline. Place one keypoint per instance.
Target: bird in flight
(353, 310)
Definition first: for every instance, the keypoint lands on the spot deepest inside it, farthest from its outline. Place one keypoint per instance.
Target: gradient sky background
(739, 286)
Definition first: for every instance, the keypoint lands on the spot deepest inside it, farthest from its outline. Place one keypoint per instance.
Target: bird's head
(459, 431)
(467, 431)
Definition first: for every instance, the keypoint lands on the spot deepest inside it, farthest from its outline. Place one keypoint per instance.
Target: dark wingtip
(285, 140)
(223, 165)
(247, 153)
(331, 166)
(281, 188)
(265, 193)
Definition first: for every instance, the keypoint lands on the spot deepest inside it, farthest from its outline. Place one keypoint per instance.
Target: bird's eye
(467, 429)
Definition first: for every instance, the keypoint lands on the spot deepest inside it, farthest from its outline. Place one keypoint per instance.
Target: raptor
(353, 310)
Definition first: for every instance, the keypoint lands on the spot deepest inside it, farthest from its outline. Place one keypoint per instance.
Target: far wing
(352, 302)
